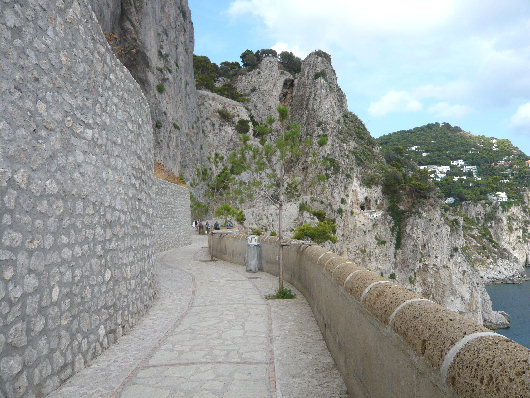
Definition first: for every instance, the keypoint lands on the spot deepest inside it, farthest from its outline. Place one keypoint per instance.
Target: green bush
(243, 126)
(323, 54)
(158, 124)
(160, 88)
(225, 115)
(323, 140)
(320, 74)
(240, 217)
(320, 233)
(225, 211)
(282, 294)
(290, 62)
(256, 232)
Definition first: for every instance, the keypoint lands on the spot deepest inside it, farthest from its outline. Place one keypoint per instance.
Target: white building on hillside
(498, 197)
(473, 169)
(458, 163)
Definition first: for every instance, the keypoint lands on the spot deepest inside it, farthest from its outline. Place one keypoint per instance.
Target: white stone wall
(78, 200)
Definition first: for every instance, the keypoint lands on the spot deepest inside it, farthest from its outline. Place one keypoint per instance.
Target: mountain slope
(470, 167)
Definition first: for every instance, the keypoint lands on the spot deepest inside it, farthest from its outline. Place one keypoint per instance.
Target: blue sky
(402, 63)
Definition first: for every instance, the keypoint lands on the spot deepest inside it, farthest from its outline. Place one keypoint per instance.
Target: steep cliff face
(154, 40)
(497, 240)
(338, 179)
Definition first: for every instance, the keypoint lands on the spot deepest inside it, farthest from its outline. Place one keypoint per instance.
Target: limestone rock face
(154, 40)
(220, 115)
(263, 87)
(430, 259)
(317, 100)
(509, 251)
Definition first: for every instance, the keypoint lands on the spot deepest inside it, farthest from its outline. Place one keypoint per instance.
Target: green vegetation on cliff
(478, 166)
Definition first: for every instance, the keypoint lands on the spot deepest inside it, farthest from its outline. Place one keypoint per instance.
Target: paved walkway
(211, 333)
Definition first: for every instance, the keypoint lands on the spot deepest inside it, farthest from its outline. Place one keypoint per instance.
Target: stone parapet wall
(171, 215)
(386, 340)
(78, 198)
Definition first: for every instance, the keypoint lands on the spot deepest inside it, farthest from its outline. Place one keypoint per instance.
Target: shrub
(320, 233)
(323, 54)
(158, 124)
(225, 211)
(273, 233)
(160, 88)
(323, 140)
(392, 275)
(242, 126)
(225, 115)
(282, 294)
(240, 217)
(320, 74)
(290, 62)
(256, 232)
(228, 90)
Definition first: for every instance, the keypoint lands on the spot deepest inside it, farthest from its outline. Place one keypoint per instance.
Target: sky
(401, 64)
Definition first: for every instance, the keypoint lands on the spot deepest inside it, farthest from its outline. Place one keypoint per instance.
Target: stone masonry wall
(171, 215)
(77, 195)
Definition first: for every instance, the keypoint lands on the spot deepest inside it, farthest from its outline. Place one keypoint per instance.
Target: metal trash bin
(253, 254)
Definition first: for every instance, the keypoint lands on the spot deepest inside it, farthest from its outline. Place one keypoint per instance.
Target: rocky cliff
(497, 239)
(338, 179)
(154, 40)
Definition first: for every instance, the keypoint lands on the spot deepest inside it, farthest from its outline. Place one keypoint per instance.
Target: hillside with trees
(499, 165)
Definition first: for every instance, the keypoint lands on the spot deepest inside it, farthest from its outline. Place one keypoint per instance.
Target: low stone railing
(386, 340)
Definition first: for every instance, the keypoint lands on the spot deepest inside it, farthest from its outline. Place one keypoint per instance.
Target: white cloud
(394, 101)
(447, 111)
(280, 47)
(521, 118)
(480, 45)
(375, 15)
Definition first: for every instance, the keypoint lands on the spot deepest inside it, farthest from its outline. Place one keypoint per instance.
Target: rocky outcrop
(154, 40)
(431, 257)
(497, 240)
(263, 87)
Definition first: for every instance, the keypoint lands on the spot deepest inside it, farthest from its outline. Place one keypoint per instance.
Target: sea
(514, 299)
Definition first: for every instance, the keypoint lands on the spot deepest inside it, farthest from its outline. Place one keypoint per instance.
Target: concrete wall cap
(340, 265)
(341, 273)
(332, 263)
(353, 273)
(383, 299)
(328, 260)
(370, 286)
(492, 366)
(451, 354)
(359, 281)
(405, 303)
(431, 330)
(322, 255)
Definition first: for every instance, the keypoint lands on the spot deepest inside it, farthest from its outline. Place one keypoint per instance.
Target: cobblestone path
(211, 333)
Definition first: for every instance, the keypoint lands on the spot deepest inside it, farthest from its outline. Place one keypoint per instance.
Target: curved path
(211, 333)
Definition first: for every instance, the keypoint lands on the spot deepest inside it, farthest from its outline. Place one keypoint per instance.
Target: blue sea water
(515, 300)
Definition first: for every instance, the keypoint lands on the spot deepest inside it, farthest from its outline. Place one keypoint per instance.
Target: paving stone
(209, 335)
